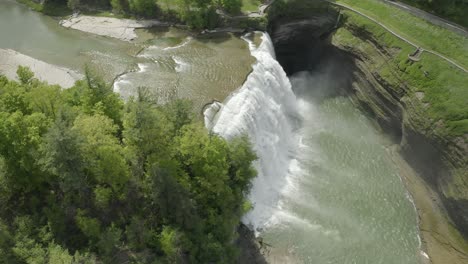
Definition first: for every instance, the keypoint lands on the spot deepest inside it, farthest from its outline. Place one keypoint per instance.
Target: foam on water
(119, 83)
(183, 44)
(181, 65)
(142, 67)
(265, 109)
(124, 80)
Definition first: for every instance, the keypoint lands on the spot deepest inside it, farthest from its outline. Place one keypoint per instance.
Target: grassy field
(444, 87)
(417, 30)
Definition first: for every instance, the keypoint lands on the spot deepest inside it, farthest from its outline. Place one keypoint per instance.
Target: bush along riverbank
(196, 15)
(421, 103)
(86, 178)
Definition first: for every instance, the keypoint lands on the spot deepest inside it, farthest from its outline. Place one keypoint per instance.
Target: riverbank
(119, 28)
(10, 60)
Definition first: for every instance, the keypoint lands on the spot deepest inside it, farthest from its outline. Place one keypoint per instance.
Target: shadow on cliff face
(331, 76)
(304, 45)
(299, 45)
(303, 48)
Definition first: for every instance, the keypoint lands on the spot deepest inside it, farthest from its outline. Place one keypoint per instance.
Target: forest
(86, 177)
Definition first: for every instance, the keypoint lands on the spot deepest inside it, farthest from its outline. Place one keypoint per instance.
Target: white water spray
(262, 108)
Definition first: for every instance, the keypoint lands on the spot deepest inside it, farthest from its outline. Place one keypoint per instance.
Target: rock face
(295, 49)
(440, 160)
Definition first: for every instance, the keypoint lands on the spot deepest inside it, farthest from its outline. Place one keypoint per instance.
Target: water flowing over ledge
(262, 108)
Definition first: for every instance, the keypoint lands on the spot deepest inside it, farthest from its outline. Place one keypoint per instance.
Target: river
(327, 190)
(168, 61)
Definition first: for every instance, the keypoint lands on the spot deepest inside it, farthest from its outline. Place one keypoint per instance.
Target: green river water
(344, 201)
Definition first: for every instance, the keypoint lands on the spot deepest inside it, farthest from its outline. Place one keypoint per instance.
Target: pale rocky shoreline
(122, 29)
(10, 60)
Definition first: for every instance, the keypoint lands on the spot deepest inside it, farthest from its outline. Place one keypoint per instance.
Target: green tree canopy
(88, 178)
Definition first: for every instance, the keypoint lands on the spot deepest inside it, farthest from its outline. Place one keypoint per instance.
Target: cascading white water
(262, 108)
(325, 190)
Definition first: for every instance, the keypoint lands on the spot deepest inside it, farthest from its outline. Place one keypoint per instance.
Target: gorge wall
(368, 72)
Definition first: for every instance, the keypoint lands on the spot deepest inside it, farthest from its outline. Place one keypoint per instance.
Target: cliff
(387, 86)
(418, 103)
(384, 89)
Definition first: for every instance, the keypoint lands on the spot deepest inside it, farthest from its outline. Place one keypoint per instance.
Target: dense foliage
(87, 178)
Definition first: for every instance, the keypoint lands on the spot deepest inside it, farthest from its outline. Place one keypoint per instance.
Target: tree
(21, 137)
(85, 177)
(25, 74)
(102, 150)
(73, 4)
(145, 8)
(61, 154)
(231, 6)
(120, 6)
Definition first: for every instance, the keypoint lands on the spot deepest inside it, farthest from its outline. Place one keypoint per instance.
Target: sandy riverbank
(439, 239)
(123, 29)
(10, 60)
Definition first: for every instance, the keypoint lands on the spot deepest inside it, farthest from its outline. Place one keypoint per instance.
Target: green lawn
(419, 31)
(444, 86)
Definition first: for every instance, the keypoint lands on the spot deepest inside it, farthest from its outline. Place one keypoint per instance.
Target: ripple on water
(184, 66)
(343, 201)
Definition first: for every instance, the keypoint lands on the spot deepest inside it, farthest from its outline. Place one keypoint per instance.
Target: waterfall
(265, 109)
